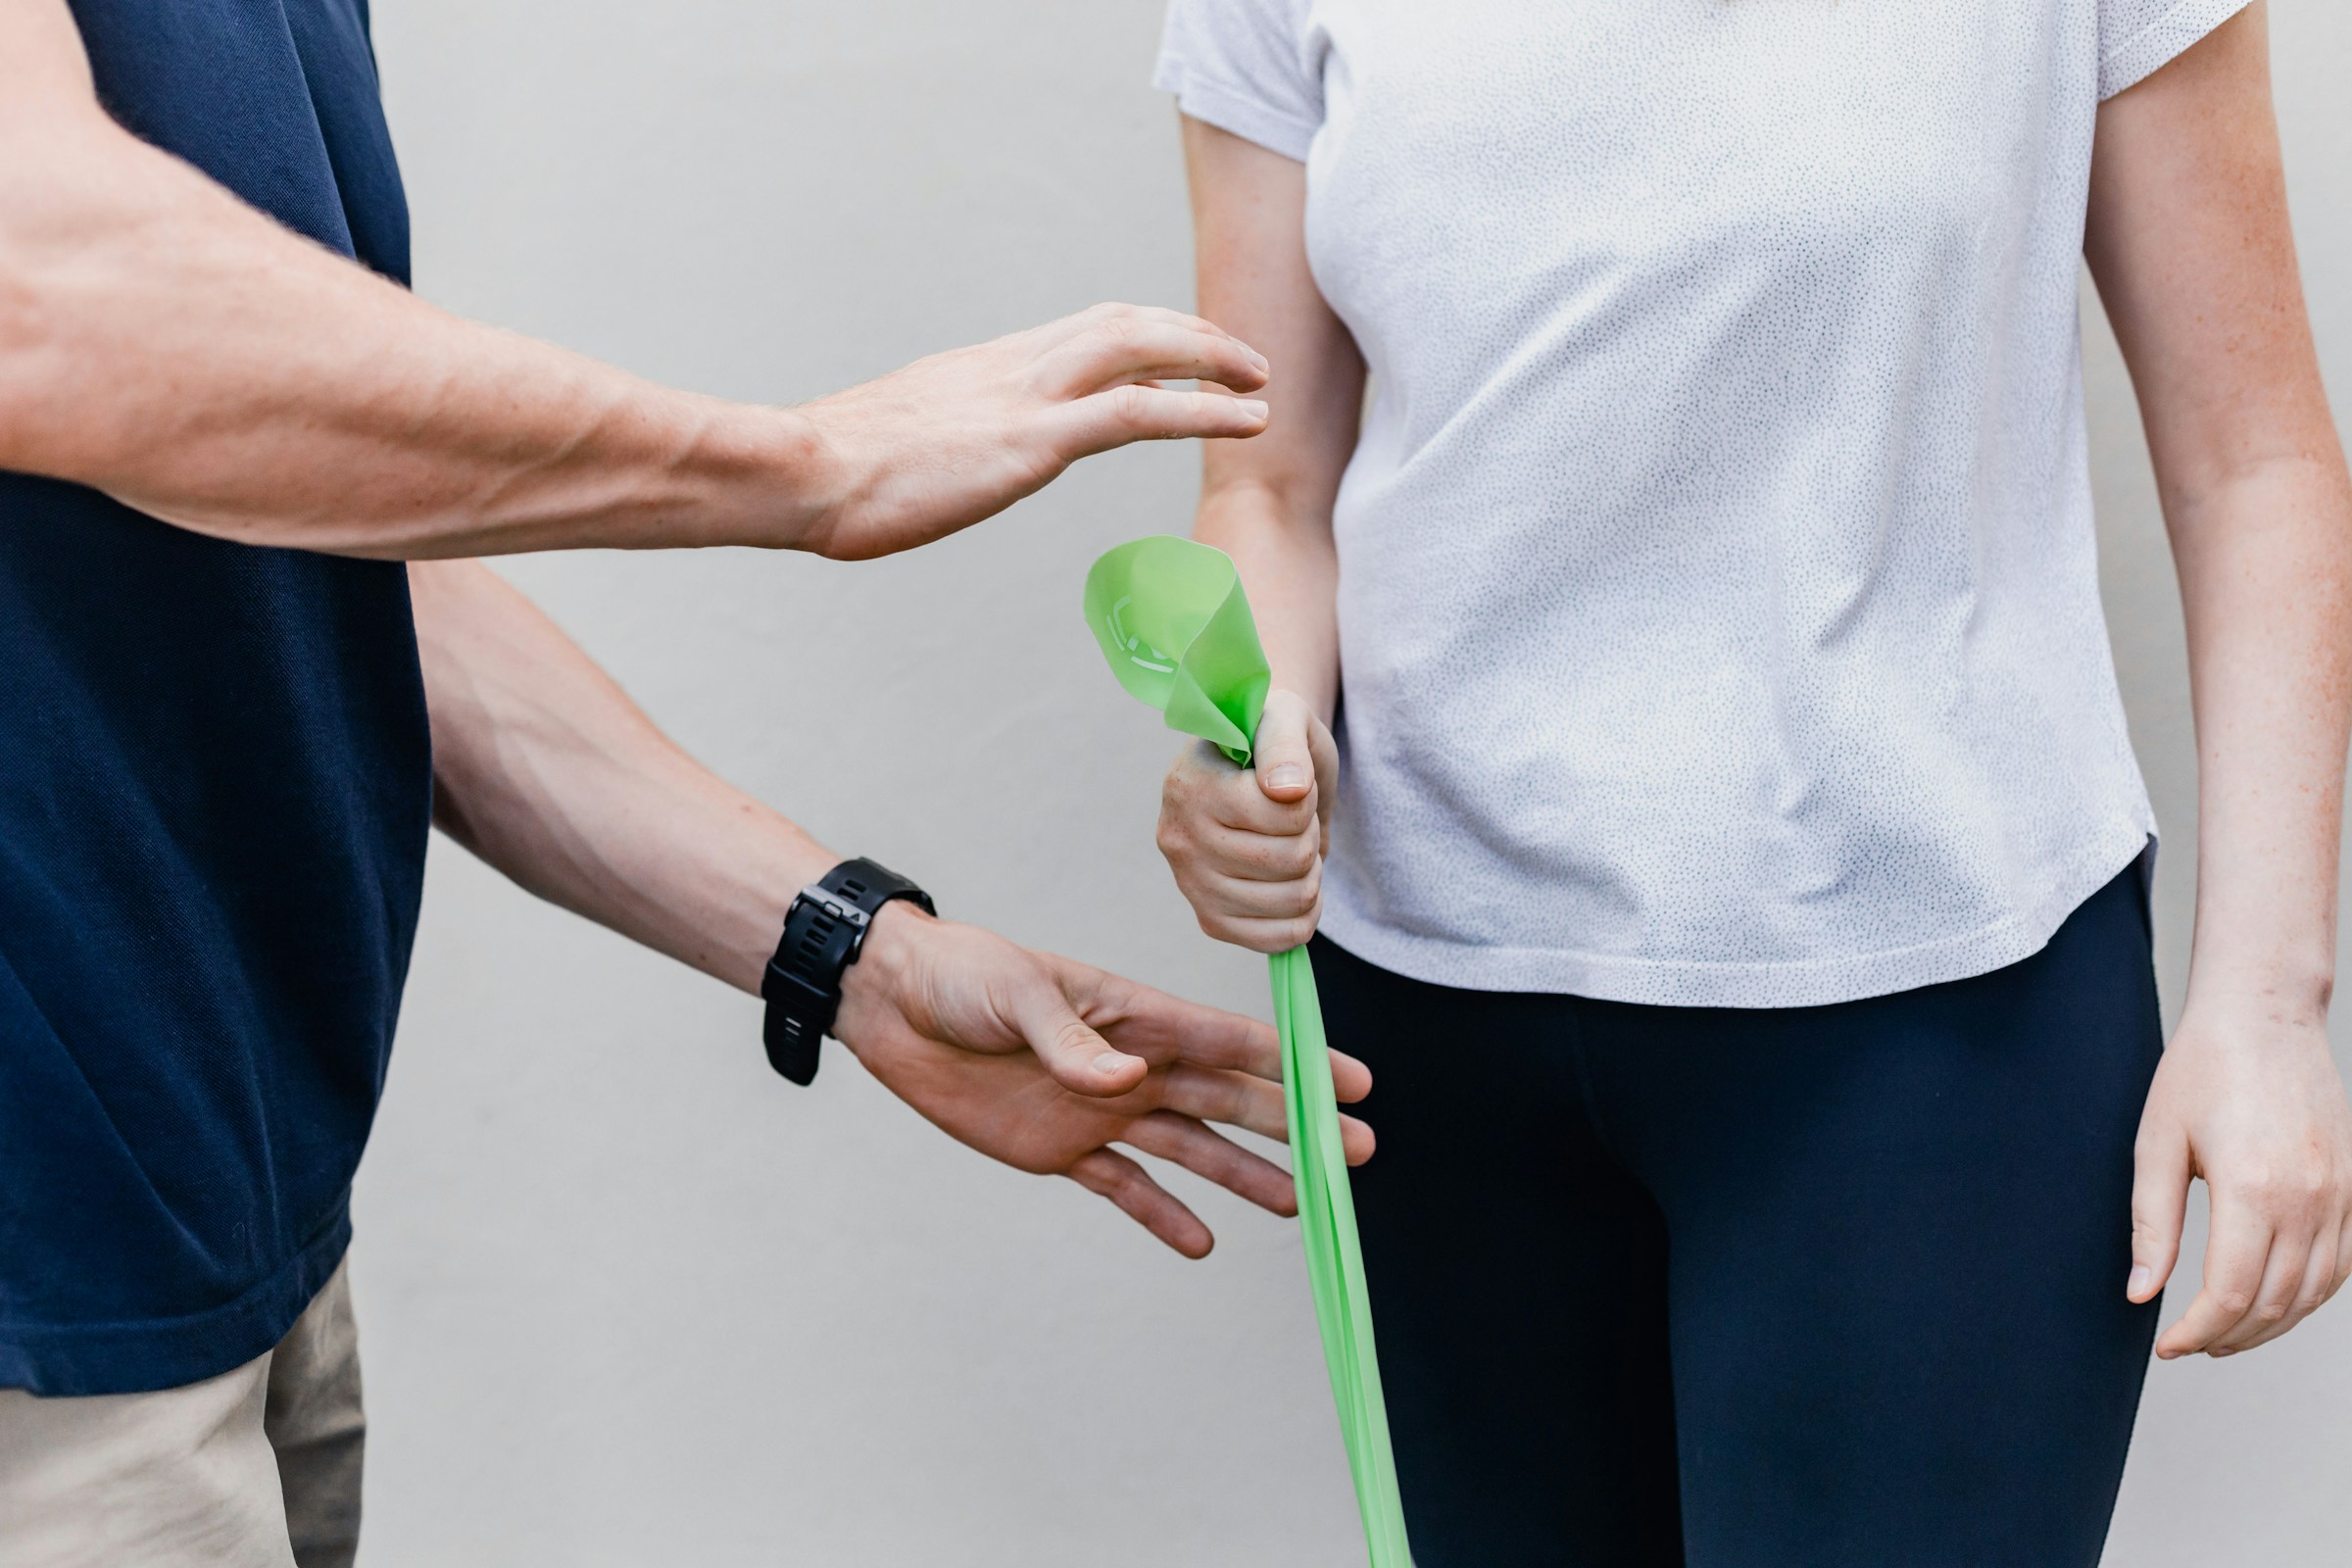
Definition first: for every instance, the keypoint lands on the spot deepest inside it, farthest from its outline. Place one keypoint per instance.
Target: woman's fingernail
(1255, 408)
(1110, 1062)
(2218, 1355)
(2139, 1280)
(1262, 362)
(1287, 776)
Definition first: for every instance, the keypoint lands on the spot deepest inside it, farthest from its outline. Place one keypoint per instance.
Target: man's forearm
(163, 342)
(551, 774)
(545, 769)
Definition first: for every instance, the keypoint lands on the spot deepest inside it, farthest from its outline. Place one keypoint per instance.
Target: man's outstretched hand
(936, 447)
(1045, 1063)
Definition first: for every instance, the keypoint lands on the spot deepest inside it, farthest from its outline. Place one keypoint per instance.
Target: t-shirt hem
(2160, 42)
(1799, 983)
(1232, 109)
(59, 1359)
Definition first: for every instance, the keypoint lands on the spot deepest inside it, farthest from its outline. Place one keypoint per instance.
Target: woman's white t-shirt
(1719, 616)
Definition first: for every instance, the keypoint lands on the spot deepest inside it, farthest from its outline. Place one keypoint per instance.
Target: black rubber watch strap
(823, 933)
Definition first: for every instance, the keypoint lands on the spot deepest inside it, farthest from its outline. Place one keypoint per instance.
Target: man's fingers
(1079, 323)
(1204, 1154)
(1080, 1059)
(1257, 1105)
(1168, 1029)
(1115, 1176)
(1235, 1099)
(2235, 1255)
(1126, 414)
(1122, 349)
(1351, 1079)
(2159, 1205)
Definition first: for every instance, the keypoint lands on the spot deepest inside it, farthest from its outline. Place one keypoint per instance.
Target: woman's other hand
(2252, 1102)
(2188, 241)
(1246, 845)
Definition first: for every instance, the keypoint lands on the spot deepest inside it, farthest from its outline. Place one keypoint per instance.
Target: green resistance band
(1176, 626)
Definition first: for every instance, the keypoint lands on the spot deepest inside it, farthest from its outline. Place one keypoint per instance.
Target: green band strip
(1177, 631)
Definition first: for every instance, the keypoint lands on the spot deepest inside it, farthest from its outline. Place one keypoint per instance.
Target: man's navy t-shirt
(215, 789)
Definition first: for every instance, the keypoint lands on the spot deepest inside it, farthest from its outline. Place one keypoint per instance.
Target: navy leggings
(1836, 1286)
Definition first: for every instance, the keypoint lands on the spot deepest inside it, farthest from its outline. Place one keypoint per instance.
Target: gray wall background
(625, 1297)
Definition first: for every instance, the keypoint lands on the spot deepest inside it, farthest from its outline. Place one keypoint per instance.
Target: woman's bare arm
(1268, 503)
(2189, 244)
(1247, 847)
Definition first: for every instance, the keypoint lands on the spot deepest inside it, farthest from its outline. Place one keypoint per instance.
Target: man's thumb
(1080, 1059)
(1285, 763)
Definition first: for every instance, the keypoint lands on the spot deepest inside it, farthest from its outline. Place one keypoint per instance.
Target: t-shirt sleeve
(1244, 65)
(2136, 36)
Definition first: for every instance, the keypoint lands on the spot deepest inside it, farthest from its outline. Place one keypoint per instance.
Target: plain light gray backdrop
(629, 1299)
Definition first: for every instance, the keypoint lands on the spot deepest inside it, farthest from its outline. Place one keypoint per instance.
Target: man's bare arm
(163, 342)
(545, 769)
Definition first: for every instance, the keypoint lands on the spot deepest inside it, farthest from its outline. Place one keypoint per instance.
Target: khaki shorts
(256, 1468)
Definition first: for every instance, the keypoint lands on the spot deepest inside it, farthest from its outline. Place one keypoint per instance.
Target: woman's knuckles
(2293, 1192)
(1295, 900)
(1266, 858)
(2231, 1302)
(1289, 818)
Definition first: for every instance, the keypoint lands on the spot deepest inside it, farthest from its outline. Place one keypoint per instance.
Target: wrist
(830, 477)
(2287, 992)
(886, 962)
(815, 975)
(760, 477)
(763, 898)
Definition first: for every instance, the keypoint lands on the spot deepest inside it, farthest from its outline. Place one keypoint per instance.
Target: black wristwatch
(823, 930)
